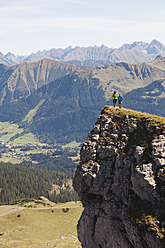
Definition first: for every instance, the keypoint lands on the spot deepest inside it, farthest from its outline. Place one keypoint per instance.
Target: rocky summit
(121, 181)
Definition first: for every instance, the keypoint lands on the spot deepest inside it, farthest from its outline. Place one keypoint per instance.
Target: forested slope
(19, 181)
(69, 108)
(150, 99)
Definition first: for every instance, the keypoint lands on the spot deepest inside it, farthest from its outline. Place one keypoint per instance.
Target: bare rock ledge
(121, 181)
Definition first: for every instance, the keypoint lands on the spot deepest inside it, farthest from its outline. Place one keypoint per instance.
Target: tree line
(21, 181)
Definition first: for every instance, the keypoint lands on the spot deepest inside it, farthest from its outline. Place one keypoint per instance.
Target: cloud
(33, 2)
(73, 1)
(95, 24)
(15, 9)
(35, 8)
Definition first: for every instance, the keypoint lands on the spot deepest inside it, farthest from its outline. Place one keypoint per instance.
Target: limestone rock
(120, 181)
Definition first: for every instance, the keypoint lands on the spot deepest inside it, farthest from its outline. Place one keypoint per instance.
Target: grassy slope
(32, 112)
(49, 227)
(5, 208)
(12, 130)
(125, 77)
(27, 138)
(73, 144)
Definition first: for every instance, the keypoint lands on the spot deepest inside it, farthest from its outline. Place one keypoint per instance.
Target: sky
(27, 26)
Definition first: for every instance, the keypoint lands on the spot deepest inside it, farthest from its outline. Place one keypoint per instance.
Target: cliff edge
(121, 181)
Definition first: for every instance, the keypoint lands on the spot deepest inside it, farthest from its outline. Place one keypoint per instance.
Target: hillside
(63, 110)
(150, 99)
(22, 181)
(125, 77)
(36, 227)
(21, 80)
(121, 181)
(61, 118)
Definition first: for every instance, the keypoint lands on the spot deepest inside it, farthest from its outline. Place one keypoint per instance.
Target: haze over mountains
(138, 52)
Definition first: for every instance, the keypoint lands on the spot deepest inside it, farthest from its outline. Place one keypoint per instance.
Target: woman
(114, 97)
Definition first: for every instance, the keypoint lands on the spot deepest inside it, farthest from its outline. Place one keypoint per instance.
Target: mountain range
(138, 52)
(59, 102)
(21, 80)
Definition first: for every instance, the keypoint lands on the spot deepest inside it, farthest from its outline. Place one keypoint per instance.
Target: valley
(60, 102)
(17, 145)
(82, 124)
(22, 154)
(47, 108)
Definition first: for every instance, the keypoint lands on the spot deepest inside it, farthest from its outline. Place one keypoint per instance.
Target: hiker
(114, 97)
(120, 99)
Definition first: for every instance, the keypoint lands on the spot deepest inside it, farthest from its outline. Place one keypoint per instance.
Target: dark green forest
(48, 162)
(71, 105)
(20, 181)
(149, 99)
(70, 109)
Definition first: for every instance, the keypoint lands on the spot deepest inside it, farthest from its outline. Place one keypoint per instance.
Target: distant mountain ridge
(21, 80)
(135, 53)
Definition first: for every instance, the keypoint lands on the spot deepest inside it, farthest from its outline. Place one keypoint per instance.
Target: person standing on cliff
(120, 99)
(114, 97)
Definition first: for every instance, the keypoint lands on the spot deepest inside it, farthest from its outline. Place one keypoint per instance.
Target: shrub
(65, 210)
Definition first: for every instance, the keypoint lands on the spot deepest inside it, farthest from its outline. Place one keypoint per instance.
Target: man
(114, 97)
(120, 99)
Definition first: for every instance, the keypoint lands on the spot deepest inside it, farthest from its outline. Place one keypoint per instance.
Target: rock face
(120, 181)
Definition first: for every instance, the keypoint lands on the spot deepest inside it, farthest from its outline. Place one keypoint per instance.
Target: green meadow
(16, 138)
(7, 130)
(9, 133)
(40, 227)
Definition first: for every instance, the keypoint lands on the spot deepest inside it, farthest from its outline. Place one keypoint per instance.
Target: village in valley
(17, 146)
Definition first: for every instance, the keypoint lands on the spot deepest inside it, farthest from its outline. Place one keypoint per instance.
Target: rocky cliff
(120, 181)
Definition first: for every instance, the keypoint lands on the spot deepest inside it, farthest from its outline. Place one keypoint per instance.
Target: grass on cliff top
(158, 120)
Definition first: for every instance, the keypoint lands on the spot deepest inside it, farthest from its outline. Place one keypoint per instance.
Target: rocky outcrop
(120, 181)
